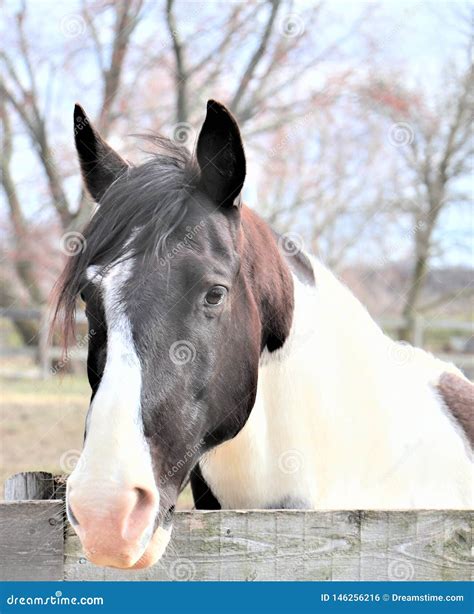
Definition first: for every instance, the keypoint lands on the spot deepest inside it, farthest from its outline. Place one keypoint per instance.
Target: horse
(222, 354)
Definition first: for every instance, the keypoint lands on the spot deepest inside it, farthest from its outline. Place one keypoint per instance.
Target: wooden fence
(41, 351)
(36, 543)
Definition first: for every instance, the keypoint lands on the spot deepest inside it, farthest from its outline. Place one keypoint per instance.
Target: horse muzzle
(116, 525)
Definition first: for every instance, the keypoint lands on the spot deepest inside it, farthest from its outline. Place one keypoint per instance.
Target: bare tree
(23, 263)
(239, 54)
(438, 158)
(20, 90)
(430, 134)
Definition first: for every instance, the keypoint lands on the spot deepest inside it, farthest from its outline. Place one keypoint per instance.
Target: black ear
(221, 156)
(100, 164)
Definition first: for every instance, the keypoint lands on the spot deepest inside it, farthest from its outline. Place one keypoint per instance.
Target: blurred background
(356, 120)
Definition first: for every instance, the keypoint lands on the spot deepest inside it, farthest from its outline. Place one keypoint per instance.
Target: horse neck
(301, 418)
(338, 422)
(334, 354)
(269, 275)
(311, 323)
(341, 381)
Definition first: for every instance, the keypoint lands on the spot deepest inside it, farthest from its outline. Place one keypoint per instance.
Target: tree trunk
(408, 331)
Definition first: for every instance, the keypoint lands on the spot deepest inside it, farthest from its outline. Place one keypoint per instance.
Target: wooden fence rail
(36, 543)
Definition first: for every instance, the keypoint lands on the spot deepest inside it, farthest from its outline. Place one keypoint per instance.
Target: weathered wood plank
(31, 540)
(29, 485)
(311, 545)
(35, 485)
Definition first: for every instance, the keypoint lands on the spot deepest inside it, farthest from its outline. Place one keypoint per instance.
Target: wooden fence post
(418, 331)
(31, 485)
(32, 528)
(43, 345)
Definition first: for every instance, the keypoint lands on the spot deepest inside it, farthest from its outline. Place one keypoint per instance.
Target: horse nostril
(144, 498)
(73, 520)
(114, 518)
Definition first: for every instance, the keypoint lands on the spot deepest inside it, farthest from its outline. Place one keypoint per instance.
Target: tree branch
(22, 262)
(255, 59)
(181, 76)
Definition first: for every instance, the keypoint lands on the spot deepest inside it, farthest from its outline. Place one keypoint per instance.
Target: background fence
(459, 335)
(37, 543)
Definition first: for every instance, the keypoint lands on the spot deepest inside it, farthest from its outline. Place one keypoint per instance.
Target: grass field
(41, 425)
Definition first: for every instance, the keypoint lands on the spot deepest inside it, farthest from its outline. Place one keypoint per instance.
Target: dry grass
(41, 425)
(40, 421)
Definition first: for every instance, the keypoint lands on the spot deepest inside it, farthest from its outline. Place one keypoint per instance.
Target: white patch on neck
(338, 423)
(116, 452)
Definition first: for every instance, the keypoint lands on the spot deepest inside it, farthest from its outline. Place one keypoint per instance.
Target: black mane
(137, 214)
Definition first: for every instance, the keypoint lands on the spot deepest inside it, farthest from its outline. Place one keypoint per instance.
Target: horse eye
(215, 295)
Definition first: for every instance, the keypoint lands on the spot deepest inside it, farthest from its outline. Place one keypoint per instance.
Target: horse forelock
(137, 214)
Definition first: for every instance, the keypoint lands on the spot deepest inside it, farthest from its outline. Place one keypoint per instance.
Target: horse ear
(221, 156)
(100, 164)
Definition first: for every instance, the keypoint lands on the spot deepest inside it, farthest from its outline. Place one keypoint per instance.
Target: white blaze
(116, 451)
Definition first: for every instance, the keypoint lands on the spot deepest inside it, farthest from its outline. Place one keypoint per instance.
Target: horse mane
(137, 214)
